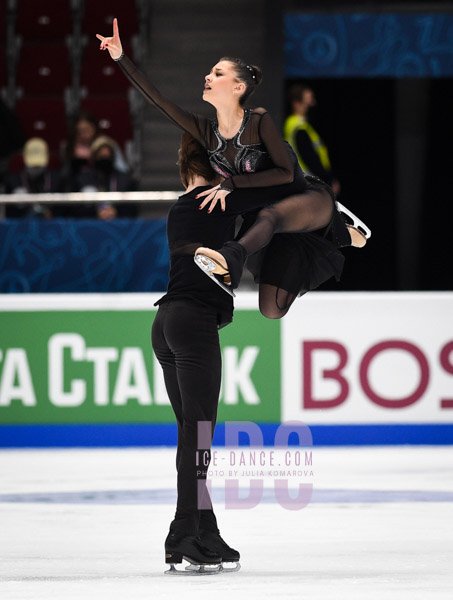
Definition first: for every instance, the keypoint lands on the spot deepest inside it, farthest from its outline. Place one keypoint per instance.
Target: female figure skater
(185, 340)
(246, 149)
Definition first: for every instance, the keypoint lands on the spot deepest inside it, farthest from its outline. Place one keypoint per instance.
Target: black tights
(305, 212)
(274, 302)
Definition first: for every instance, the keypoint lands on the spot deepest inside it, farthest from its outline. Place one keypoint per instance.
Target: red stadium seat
(44, 68)
(113, 114)
(100, 74)
(43, 19)
(99, 15)
(43, 116)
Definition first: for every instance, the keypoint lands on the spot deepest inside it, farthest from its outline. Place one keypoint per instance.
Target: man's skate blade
(231, 567)
(193, 569)
(203, 263)
(356, 222)
(226, 567)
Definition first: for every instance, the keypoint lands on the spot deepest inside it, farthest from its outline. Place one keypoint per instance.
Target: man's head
(193, 162)
(301, 98)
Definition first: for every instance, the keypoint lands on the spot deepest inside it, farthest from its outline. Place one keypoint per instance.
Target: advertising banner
(64, 360)
(357, 368)
(381, 358)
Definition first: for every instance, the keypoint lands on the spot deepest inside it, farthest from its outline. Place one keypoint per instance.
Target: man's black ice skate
(224, 266)
(213, 541)
(190, 548)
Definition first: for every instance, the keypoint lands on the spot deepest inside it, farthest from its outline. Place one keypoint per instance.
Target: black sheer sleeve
(196, 125)
(282, 172)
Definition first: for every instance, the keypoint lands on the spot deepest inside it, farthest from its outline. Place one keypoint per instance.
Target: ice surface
(90, 524)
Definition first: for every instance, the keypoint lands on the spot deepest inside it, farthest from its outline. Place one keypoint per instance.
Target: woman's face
(85, 131)
(221, 84)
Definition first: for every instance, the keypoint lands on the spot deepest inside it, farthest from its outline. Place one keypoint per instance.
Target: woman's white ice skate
(358, 231)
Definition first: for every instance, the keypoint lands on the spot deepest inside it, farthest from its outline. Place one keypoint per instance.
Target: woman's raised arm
(194, 124)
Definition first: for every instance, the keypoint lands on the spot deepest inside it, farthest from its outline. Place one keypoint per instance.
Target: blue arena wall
(368, 45)
(91, 436)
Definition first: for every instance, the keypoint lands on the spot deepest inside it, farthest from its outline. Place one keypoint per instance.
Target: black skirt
(300, 262)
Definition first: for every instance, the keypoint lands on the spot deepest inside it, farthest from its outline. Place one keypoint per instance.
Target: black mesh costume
(259, 169)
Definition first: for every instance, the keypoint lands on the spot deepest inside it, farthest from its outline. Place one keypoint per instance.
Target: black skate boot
(216, 543)
(223, 266)
(179, 546)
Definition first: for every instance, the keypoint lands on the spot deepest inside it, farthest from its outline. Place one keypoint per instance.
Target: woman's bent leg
(305, 212)
(274, 302)
(301, 213)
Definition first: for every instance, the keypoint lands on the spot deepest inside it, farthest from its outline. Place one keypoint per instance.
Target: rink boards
(357, 368)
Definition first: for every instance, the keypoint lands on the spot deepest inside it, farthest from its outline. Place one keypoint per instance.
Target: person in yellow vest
(310, 149)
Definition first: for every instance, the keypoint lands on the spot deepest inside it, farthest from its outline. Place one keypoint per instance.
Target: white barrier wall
(368, 358)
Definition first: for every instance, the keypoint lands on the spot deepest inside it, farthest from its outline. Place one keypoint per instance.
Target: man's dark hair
(296, 91)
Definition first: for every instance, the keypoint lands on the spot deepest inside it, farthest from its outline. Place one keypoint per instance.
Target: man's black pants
(185, 340)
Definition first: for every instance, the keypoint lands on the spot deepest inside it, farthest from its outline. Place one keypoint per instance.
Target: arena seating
(99, 72)
(43, 19)
(98, 17)
(43, 117)
(57, 68)
(113, 112)
(44, 68)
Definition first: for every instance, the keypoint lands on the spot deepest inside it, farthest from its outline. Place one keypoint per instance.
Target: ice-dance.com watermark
(249, 473)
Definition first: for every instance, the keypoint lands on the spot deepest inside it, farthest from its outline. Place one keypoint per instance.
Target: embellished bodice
(232, 157)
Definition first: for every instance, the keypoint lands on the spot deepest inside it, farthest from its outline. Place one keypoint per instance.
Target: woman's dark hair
(193, 160)
(251, 75)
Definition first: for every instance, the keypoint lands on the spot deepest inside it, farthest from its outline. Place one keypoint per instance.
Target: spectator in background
(310, 149)
(78, 151)
(103, 176)
(35, 178)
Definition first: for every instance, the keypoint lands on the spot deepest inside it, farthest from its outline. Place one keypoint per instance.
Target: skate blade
(356, 224)
(207, 265)
(226, 568)
(193, 569)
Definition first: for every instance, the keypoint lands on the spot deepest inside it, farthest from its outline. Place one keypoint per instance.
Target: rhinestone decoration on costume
(246, 158)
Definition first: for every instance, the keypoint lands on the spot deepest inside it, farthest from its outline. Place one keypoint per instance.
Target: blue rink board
(64, 436)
